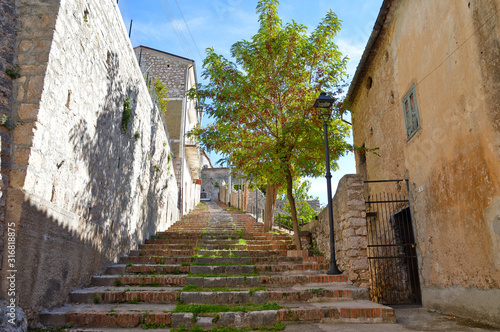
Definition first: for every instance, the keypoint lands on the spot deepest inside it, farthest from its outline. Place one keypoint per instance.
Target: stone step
(215, 246)
(229, 241)
(214, 260)
(215, 265)
(220, 235)
(162, 252)
(197, 262)
(127, 315)
(172, 295)
(222, 281)
(150, 269)
(254, 253)
(292, 267)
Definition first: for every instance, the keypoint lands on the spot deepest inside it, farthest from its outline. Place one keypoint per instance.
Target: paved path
(408, 320)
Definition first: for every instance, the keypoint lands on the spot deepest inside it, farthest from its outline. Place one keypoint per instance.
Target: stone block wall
(7, 44)
(349, 215)
(84, 188)
(171, 70)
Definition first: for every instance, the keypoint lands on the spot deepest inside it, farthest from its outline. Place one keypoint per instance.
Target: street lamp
(325, 102)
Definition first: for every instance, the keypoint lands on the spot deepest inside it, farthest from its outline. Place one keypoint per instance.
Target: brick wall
(349, 215)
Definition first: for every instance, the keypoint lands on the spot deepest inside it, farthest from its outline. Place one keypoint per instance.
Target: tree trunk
(293, 209)
(271, 192)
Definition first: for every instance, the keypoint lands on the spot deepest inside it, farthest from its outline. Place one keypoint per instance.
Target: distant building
(179, 75)
(427, 94)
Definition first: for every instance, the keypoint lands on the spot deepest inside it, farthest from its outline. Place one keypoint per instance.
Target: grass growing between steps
(197, 309)
(203, 275)
(279, 326)
(217, 264)
(194, 288)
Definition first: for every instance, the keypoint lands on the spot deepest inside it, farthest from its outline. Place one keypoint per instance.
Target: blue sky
(172, 25)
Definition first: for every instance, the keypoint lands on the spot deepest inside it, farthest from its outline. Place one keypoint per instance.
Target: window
(410, 111)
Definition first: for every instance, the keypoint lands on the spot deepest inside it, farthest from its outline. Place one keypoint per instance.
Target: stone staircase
(216, 269)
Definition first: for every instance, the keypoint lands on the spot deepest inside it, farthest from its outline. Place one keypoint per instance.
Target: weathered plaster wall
(349, 216)
(450, 51)
(82, 192)
(7, 44)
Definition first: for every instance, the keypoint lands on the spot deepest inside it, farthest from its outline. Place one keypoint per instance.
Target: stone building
(212, 179)
(179, 75)
(86, 165)
(426, 94)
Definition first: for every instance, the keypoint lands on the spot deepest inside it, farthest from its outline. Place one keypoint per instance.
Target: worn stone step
(125, 294)
(247, 246)
(119, 280)
(176, 246)
(215, 246)
(222, 281)
(155, 259)
(223, 269)
(127, 315)
(255, 253)
(229, 241)
(170, 295)
(162, 252)
(292, 267)
(150, 269)
(222, 260)
(265, 281)
(211, 260)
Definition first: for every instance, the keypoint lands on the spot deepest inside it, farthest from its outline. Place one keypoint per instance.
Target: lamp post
(325, 102)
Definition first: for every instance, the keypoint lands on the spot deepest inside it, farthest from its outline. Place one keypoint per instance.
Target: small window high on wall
(410, 111)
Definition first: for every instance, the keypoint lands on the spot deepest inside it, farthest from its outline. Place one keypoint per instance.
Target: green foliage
(13, 72)
(137, 135)
(7, 123)
(4, 121)
(126, 116)
(301, 195)
(266, 124)
(96, 299)
(148, 326)
(161, 93)
(212, 308)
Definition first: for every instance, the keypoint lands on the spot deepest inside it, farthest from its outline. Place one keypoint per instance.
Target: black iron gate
(391, 244)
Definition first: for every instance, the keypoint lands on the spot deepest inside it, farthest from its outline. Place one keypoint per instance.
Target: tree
(262, 103)
(302, 198)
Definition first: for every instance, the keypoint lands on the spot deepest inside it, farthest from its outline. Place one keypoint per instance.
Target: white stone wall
(171, 70)
(91, 192)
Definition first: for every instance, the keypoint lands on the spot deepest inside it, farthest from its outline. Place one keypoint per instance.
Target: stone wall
(171, 69)
(349, 215)
(84, 188)
(7, 43)
(212, 179)
(453, 160)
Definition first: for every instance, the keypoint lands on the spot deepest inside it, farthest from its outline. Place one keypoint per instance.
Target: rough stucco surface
(83, 193)
(453, 161)
(349, 216)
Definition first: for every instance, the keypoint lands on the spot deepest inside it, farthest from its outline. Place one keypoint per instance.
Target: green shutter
(410, 110)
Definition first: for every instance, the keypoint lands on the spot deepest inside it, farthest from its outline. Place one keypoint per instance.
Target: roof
(370, 49)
